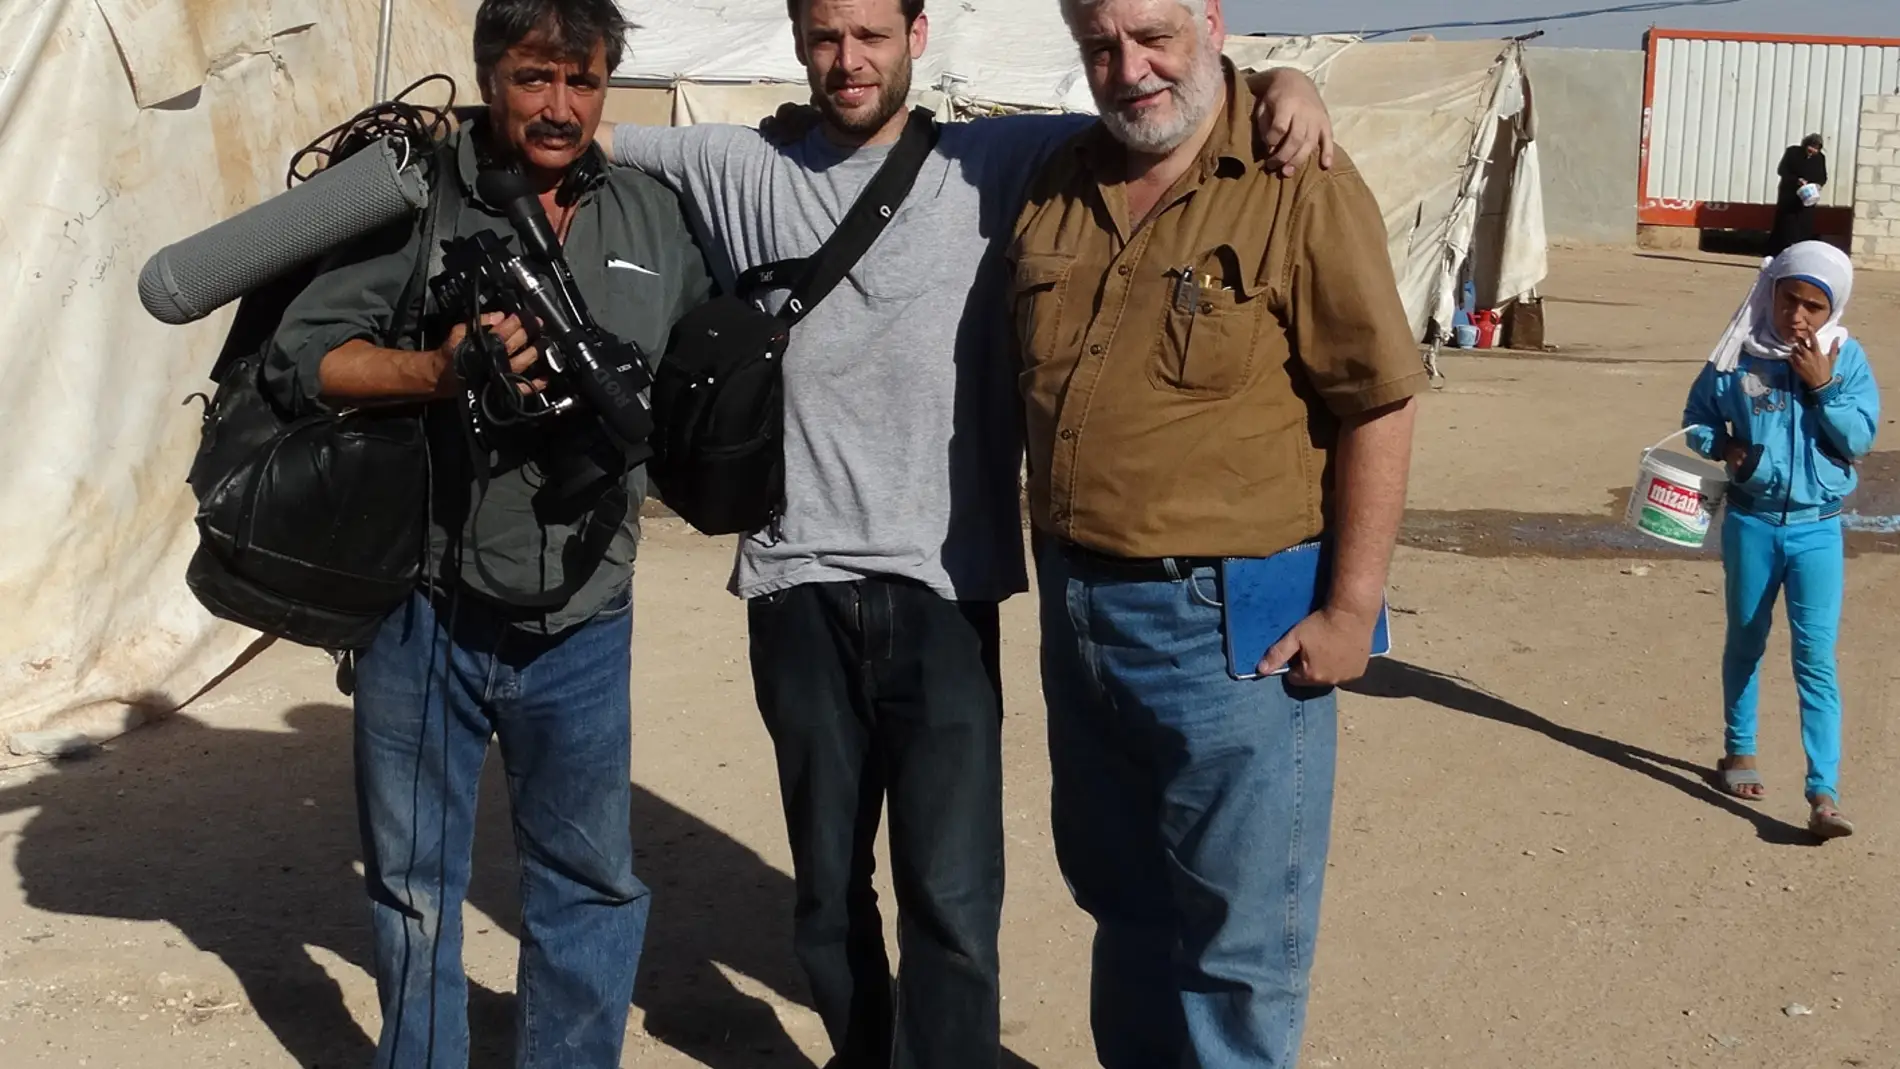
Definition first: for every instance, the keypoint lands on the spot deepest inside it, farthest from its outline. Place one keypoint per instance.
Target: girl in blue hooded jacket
(1788, 404)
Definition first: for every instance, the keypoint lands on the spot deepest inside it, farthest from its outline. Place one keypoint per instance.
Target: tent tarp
(1441, 130)
(1016, 53)
(126, 125)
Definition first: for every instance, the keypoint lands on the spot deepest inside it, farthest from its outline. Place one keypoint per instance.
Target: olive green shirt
(1185, 378)
(638, 270)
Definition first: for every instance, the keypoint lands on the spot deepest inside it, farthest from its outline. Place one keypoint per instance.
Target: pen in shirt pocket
(1187, 291)
(1220, 272)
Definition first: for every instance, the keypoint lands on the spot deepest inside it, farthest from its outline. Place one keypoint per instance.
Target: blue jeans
(1809, 561)
(1192, 818)
(560, 708)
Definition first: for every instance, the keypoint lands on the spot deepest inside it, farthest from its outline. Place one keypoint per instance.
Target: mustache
(542, 129)
(843, 81)
(1145, 87)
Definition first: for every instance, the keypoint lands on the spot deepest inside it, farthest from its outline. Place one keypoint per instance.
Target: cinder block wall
(1877, 186)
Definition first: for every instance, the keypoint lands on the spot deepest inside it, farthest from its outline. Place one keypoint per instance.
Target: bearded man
(872, 603)
(1217, 368)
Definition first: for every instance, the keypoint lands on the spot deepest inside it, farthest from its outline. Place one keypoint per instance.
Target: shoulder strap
(817, 275)
(438, 225)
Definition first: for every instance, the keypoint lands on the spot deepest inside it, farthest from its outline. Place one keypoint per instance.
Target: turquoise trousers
(1808, 562)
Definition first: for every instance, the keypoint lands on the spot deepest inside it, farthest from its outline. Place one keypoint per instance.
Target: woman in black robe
(1794, 221)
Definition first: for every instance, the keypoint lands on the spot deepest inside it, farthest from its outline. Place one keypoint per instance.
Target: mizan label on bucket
(1674, 512)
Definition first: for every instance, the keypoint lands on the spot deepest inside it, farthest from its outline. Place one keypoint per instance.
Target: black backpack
(312, 527)
(718, 397)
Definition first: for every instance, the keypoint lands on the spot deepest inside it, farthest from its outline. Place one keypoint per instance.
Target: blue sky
(1872, 18)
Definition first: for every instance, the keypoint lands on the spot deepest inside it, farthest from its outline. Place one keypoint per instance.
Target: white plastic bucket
(1676, 496)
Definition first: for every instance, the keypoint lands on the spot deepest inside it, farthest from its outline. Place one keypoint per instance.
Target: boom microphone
(189, 279)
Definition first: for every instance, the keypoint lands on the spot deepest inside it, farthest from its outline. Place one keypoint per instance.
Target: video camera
(596, 381)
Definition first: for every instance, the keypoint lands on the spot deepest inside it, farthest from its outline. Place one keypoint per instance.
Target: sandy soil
(1528, 870)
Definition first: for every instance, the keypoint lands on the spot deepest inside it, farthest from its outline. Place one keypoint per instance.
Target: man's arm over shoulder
(1027, 141)
(721, 173)
(1348, 323)
(688, 158)
(1017, 152)
(1290, 120)
(1055, 178)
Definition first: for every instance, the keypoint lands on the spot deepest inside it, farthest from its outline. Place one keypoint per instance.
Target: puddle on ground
(1568, 354)
(1872, 520)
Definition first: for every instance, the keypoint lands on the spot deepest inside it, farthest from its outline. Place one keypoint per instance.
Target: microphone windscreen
(514, 195)
(502, 188)
(192, 278)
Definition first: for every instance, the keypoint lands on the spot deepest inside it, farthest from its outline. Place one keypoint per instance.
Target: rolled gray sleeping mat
(189, 279)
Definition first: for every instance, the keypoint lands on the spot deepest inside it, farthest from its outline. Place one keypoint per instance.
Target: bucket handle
(1674, 436)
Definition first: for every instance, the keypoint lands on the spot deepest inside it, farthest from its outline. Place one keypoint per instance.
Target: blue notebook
(1264, 598)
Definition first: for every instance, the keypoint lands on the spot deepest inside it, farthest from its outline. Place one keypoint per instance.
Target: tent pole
(382, 50)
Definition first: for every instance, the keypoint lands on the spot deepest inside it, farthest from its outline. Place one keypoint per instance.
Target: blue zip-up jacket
(1802, 444)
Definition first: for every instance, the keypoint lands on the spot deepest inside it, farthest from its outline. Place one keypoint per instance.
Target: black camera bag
(313, 526)
(718, 396)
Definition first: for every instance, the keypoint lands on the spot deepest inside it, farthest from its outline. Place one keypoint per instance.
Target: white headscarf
(1753, 328)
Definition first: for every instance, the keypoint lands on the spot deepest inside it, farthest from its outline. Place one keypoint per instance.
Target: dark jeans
(560, 709)
(879, 691)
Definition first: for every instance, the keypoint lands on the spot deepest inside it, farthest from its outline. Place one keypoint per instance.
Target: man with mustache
(1217, 368)
(523, 629)
(872, 606)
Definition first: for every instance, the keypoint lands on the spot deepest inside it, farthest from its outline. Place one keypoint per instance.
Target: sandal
(1734, 779)
(1826, 822)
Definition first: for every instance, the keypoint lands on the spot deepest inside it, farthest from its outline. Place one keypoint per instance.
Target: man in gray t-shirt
(873, 606)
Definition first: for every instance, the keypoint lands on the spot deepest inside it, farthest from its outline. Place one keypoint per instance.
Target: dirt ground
(1528, 869)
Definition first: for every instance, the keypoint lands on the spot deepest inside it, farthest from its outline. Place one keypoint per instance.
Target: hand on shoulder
(1291, 119)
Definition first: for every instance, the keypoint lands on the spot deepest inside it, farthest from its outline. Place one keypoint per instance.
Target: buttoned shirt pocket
(1036, 292)
(1208, 346)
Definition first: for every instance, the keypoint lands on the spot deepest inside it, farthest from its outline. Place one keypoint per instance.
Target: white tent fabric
(694, 103)
(1015, 54)
(126, 125)
(1441, 130)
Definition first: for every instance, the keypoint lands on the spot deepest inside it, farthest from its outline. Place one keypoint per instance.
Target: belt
(1743, 501)
(1134, 569)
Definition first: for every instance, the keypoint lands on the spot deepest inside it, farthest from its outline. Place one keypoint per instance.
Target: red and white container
(1676, 497)
(1720, 109)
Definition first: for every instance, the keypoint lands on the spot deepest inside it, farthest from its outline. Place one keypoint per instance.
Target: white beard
(1195, 97)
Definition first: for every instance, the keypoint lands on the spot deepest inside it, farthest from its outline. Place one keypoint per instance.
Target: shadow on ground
(1705, 262)
(246, 842)
(1397, 679)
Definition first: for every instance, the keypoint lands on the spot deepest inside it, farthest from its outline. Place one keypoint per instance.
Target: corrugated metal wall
(1724, 112)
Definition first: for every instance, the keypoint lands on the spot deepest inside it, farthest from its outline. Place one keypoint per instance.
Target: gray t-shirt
(903, 436)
